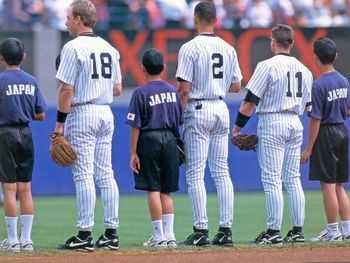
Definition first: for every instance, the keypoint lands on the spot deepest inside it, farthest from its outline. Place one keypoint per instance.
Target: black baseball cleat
(223, 237)
(294, 237)
(265, 239)
(108, 243)
(199, 237)
(75, 243)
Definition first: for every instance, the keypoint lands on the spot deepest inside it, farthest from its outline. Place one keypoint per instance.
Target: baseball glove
(61, 152)
(245, 142)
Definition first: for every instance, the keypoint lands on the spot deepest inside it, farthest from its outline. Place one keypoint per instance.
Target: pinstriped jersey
(282, 83)
(91, 65)
(210, 64)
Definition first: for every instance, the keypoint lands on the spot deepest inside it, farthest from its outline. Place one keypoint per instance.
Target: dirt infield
(271, 255)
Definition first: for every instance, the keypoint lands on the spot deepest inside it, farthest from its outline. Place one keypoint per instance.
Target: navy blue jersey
(155, 105)
(330, 98)
(20, 97)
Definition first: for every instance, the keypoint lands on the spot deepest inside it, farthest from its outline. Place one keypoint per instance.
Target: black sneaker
(199, 237)
(264, 238)
(108, 243)
(223, 237)
(294, 237)
(75, 243)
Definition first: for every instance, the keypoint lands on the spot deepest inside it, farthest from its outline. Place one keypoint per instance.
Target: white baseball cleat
(326, 236)
(11, 247)
(153, 242)
(27, 246)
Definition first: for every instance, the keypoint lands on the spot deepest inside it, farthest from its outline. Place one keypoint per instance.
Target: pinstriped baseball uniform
(283, 85)
(91, 65)
(211, 66)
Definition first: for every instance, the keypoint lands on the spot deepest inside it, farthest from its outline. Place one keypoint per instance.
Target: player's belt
(219, 98)
(199, 105)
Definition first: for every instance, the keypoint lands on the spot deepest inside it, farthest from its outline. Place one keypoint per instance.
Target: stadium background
(135, 25)
(42, 47)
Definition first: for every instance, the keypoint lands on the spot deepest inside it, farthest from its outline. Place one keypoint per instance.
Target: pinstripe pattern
(270, 82)
(206, 134)
(211, 65)
(91, 65)
(196, 66)
(77, 67)
(89, 128)
(283, 85)
(280, 138)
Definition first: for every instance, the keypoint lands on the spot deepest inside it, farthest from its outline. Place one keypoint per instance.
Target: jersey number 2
(216, 66)
(298, 76)
(106, 66)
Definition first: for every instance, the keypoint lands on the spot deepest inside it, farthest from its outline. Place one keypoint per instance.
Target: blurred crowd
(155, 14)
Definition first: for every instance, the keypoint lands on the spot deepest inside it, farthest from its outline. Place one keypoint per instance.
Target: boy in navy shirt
(155, 115)
(328, 141)
(20, 102)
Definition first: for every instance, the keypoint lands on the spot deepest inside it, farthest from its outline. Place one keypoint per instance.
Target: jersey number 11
(299, 77)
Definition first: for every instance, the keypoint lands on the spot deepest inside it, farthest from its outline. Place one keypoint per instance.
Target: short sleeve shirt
(210, 64)
(20, 97)
(155, 105)
(330, 98)
(91, 65)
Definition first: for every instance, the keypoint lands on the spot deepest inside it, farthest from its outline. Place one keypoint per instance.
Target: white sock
(27, 222)
(333, 229)
(11, 225)
(345, 227)
(158, 229)
(168, 226)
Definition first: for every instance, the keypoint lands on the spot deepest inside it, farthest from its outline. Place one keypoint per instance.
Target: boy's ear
(24, 56)
(164, 67)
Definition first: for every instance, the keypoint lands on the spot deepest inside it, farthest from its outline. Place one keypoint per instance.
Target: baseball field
(55, 219)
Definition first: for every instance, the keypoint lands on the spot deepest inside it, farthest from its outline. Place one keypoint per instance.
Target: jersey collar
(207, 34)
(87, 34)
(284, 54)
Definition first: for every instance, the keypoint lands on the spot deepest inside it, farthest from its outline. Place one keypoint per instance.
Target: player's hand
(59, 127)
(135, 163)
(235, 131)
(304, 156)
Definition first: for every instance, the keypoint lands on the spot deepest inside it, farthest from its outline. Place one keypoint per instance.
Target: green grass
(55, 219)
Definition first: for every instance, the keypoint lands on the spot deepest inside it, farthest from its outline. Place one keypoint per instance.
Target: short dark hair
(283, 34)
(205, 11)
(325, 49)
(153, 61)
(12, 50)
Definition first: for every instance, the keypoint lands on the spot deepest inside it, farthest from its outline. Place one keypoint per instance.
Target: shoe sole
(224, 245)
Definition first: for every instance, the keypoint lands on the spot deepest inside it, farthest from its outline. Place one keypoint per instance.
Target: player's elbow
(40, 116)
(235, 87)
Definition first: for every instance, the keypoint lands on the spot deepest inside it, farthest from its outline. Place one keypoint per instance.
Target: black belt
(199, 105)
(219, 98)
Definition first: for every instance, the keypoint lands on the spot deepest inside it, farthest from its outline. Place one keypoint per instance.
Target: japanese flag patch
(131, 116)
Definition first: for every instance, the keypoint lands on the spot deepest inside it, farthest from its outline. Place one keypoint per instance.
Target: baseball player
(328, 141)
(89, 76)
(281, 89)
(207, 69)
(20, 102)
(155, 113)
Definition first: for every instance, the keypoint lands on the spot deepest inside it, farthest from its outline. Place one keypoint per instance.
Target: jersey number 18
(106, 66)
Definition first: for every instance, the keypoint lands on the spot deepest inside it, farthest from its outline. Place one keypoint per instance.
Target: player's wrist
(241, 120)
(61, 116)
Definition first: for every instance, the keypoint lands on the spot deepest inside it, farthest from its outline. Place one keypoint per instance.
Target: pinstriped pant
(280, 138)
(89, 128)
(206, 138)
